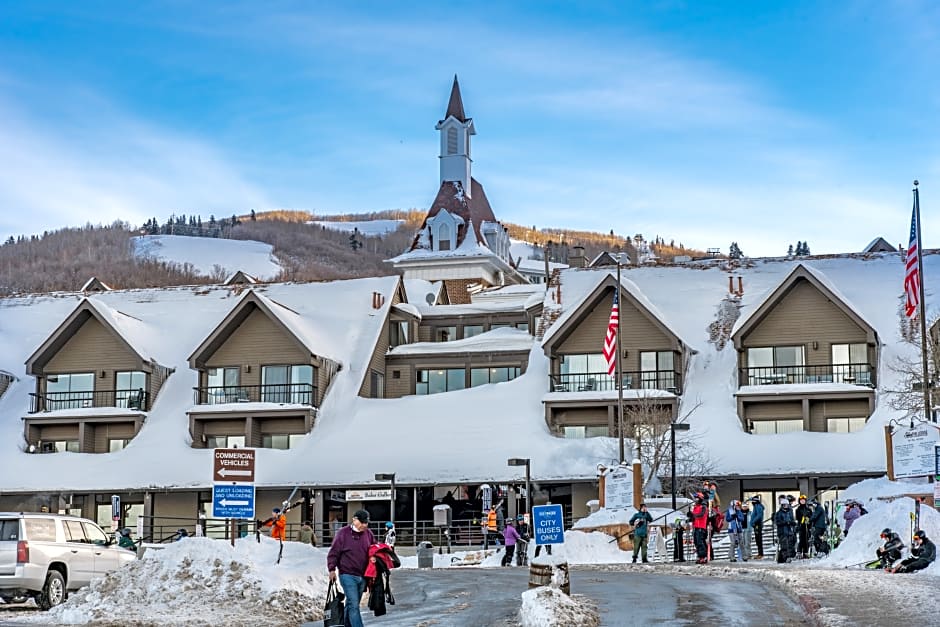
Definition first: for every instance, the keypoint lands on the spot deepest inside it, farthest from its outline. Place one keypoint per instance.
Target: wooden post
(637, 483)
(889, 452)
(232, 527)
(601, 483)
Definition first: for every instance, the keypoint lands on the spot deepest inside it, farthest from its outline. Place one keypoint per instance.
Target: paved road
(477, 597)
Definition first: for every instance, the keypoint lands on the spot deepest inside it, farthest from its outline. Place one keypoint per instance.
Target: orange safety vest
(491, 521)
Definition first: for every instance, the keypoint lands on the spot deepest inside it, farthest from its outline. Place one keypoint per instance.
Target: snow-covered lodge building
(780, 366)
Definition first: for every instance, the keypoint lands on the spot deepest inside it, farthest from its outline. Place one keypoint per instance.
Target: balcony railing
(668, 380)
(129, 399)
(295, 393)
(857, 374)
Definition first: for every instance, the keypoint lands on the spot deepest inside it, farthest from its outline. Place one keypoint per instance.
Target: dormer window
(443, 237)
(452, 141)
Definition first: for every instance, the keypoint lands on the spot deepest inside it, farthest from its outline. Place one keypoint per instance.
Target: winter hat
(362, 515)
(276, 510)
(389, 525)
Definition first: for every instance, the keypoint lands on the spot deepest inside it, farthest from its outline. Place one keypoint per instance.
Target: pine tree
(799, 249)
(790, 251)
(253, 216)
(735, 251)
(806, 249)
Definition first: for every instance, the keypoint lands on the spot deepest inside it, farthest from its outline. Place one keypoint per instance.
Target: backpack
(718, 522)
(861, 510)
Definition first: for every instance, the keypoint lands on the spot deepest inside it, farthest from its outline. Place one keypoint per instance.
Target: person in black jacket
(923, 553)
(802, 514)
(786, 530)
(890, 552)
(818, 521)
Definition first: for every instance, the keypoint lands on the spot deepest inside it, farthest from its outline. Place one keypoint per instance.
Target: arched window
(452, 141)
(443, 237)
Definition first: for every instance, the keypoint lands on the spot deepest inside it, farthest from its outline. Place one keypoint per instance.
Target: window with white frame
(657, 370)
(582, 432)
(281, 441)
(773, 427)
(845, 425)
(225, 441)
(443, 237)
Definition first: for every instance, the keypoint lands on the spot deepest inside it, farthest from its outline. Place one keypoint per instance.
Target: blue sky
(707, 123)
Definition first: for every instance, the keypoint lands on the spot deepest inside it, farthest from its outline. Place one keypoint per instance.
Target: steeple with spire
(456, 129)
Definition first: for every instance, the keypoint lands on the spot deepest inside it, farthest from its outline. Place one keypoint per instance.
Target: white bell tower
(456, 129)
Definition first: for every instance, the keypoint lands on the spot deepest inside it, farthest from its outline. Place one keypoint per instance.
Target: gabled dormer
(442, 230)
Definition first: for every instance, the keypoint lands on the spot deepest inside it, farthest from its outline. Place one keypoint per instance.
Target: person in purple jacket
(349, 556)
(851, 514)
(511, 536)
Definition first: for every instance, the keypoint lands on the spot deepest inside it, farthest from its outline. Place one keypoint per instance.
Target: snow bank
(550, 607)
(591, 548)
(201, 581)
(883, 487)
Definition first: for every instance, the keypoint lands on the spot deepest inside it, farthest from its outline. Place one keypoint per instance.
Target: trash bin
(425, 555)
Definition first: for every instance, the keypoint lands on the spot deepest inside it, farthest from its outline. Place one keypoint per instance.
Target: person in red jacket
(699, 516)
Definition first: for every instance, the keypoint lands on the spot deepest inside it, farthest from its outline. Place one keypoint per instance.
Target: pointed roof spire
(455, 105)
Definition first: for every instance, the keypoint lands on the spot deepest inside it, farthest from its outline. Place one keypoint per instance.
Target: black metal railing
(295, 393)
(667, 380)
(857, 374)
(128, 399)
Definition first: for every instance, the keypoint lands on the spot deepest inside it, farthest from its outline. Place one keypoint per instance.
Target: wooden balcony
(281, 393)
(138, 399)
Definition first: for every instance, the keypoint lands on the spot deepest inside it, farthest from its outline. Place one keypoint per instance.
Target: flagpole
(923, 309)
(619, 371)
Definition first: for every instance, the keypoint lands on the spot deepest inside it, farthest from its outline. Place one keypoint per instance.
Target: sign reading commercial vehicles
(914, 450)
(233, 465)
(233, 476)
(548, 524)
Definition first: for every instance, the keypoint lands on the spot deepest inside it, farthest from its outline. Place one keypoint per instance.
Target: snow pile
(490, 558)
(201, 581)
(591, 548)
(369, 228)
(550, 607)
(883, 487)
(604, 516)
(864, 537)
(209, 255)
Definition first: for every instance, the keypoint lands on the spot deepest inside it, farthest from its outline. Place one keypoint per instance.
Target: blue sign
(936, 452)
(233, 501)
(548, 523)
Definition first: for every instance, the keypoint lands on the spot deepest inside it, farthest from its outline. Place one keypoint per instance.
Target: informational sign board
(914, 450)
(653, 542)
(231, 465)
(369, 495)
(233, 501)
(618, 488)
(548, 524)
(936, 456)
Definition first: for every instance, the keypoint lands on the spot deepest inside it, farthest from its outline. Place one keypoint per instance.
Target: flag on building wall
(912, 272)
(610, 340)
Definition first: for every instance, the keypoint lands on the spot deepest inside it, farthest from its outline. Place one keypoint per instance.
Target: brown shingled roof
(475, 209)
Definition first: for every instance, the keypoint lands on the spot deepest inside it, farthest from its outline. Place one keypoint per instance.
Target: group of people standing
(744, 524)
(800, 528)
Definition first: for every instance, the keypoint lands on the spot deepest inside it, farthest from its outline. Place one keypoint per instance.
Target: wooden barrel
(550, 575)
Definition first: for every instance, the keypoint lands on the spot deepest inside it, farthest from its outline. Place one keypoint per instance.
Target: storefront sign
(369, 495)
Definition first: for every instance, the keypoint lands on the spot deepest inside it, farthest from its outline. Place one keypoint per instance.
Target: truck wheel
(53, 592)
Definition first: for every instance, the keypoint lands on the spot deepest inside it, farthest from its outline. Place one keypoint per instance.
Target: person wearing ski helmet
(890, 552)
(699, 517)
(802, 515)
(390, 534)
(278, 524)
(818, 521)
(923, 553)
(786, 531)
(757, 524)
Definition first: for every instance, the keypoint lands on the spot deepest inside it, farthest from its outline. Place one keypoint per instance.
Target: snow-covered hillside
(211, 256)
(366, 227)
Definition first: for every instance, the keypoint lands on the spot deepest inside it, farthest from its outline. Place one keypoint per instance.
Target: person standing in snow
(490, 528)
(737, 520)
(746, 546)
(802, 514)
(522, 545)
(786, 531)
(348, 559)
(818, 521)
(923, 553)
(699, 516)
(278, 524)
(390, 534)
(757, 524)
(851, 514)
(306, 534)
(511, 536)
(678, 539)
(641, 527)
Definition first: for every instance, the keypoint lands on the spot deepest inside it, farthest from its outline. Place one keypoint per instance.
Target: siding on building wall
(49, 433)
(173, 507)
(404, 385)
(93, 348)
(819, 411)
(802, 316)
(774, 411)
(639, 334)
(104, 432)
(376, 362)
(4, 383)
(257, 341)
(232, 426)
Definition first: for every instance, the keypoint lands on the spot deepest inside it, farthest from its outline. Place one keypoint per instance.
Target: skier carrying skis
(278, 524)
(818, 522)
(736, 520)
(890, 552)
(786, 531)
(699, 517)
(923, 553)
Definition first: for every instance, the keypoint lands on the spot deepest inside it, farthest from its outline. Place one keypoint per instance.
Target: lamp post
(389, 476)
(524, 461)
(673, 427)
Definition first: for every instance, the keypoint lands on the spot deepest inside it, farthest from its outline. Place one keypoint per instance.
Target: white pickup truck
(45, 556)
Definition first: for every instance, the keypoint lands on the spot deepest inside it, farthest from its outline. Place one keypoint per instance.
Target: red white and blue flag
(912, 272)
(610, 340)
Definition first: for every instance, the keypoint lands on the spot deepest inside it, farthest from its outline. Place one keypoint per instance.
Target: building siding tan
(94, 348)
(257, 341)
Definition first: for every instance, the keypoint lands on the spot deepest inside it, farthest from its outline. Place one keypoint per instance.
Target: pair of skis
(286, 506)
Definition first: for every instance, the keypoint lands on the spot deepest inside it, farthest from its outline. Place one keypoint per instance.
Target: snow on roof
(407, 308)
(206, 254)
(816, 274)
(94, 282)
(144, 338)
(469, 247)
(417, 290)
(504, 339)
(578, 285)
(419, 447)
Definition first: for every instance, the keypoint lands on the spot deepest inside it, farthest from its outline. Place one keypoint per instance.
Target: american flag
(610, 341)
(912, 272)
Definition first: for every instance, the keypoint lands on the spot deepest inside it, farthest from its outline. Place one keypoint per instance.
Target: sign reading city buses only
(233, 465)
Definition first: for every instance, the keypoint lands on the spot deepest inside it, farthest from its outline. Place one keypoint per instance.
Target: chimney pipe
(731, 285)
(740, 286)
